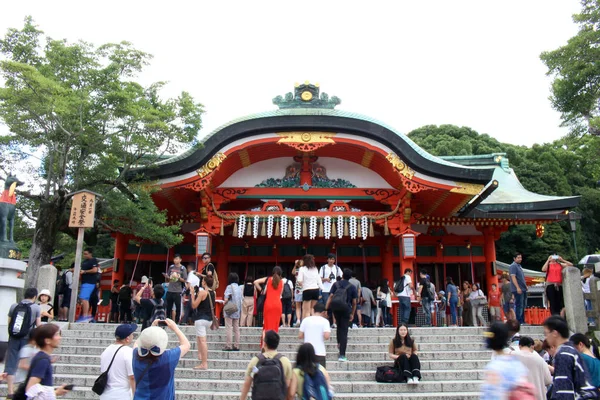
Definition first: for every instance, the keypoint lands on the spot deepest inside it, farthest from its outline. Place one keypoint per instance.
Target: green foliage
(576, 73)
(79, 120)
(565, 167)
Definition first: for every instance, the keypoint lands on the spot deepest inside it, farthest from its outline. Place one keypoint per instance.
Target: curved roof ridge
(310, 111)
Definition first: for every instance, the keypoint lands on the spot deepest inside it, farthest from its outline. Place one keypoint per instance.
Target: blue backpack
(315, 387)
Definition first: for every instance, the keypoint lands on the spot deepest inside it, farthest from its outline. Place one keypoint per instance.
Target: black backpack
(339, 299)
(61, 286)
(158, 311)
(287, 292)
(399, 286)
(20, 321)
(269, 381)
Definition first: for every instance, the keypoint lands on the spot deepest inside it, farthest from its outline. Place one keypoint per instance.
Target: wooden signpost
(83, 210)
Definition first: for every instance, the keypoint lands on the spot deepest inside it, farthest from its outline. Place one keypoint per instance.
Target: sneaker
(235, 349)
(354, 326)
(411, 381)
(415, 380)
(333, 326)
(343, 359)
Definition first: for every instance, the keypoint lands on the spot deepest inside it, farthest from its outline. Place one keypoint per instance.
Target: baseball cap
(144, 279)
(152, 340)
(124, 330)
(442, 292)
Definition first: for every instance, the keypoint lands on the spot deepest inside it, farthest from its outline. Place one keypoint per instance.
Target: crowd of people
(562, 367)
(324, 298)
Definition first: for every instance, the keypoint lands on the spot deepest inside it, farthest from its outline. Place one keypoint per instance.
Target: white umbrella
(590, 259)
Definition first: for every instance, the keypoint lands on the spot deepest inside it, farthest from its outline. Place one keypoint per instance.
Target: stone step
(291, 354)
(238, 374)
(220, 337)
(331, 345)
(77, 361)
(389, 391)
(389, 332)
(370, 386)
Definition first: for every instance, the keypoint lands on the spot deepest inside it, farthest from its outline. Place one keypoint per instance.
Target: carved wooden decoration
(306, 141)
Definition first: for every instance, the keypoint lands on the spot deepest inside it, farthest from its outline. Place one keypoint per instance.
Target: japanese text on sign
(83, 210)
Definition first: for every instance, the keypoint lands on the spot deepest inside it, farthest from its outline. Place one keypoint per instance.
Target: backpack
(61, 286)
(287, 292)
(315, 387)
(430, 289)
(158, 311)
(522, 391)
(20, 321)
(125, 293)
(399, 286)
(269, 379)
(339, 299)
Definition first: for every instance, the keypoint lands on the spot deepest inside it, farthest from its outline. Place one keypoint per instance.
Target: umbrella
(590, 259)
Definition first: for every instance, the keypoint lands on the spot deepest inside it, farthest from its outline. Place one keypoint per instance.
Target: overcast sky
(407, 63)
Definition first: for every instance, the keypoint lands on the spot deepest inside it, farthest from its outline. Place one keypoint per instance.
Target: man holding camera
(329, 273)
(176, 278)
(554, 293)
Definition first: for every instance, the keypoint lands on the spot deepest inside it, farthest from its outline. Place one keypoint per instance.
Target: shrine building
(265, 189)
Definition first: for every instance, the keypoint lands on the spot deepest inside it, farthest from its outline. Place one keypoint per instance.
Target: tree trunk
(50, 218)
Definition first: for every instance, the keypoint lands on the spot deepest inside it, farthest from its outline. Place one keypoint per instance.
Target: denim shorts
(11, 362)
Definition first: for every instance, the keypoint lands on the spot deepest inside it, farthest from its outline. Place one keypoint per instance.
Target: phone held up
(162, 323)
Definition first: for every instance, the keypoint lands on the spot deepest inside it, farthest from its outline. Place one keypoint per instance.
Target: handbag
(215, 322)
(260, 301)
(386, 374)
(102, 380)
(382, 303)
(19, 394)
(230, 307)
(479, 302)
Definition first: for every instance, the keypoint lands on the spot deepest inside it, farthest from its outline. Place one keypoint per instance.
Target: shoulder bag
(215, 322)
(230, 307)
(102, 380)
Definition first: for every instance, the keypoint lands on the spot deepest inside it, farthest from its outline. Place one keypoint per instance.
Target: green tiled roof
(315, 112)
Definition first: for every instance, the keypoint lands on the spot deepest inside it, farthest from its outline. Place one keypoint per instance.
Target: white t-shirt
(118, 387)
(407, 290)
(325, 271)
(310, 278)
(193, 280)
(313, 328)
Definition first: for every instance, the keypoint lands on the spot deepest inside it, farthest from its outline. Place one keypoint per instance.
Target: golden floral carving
(306, 141)
(400, 166)
(211, 165)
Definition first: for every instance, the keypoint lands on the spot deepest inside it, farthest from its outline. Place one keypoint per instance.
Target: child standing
(45, 306)
(441, 308)
(25, 355)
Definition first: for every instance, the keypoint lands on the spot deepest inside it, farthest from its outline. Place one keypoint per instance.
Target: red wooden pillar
(222, 264)
(121, 243)
(388, 271)
(490, 257)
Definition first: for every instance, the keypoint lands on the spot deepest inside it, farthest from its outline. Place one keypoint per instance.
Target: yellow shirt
(300, 379)
(285, 363)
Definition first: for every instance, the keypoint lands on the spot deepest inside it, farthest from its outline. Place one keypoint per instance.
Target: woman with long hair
(297, 292)
(311, 284)
(403, 350)
(233, 294)
(307, 364)
(384, 295)
(203, 302)
(273, 307)
(467, 317)
(249, 292)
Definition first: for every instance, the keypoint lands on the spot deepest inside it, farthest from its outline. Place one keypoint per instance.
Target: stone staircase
(452, 362)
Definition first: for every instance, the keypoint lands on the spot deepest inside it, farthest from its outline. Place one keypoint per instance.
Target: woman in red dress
(272, 309)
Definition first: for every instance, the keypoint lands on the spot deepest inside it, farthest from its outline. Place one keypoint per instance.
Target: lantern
(203, 243)
(409, 244)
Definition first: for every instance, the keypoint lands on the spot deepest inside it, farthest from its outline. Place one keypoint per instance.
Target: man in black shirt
(208, 269)
(425, 296)
(89, 277)
(147, 305)
(125, 294)
(344, 315)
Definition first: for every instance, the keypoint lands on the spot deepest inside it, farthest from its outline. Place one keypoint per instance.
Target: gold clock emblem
(306, 95)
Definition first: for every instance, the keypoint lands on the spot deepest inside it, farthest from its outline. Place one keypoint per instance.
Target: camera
(332, 276)
(555, 257)
(162, 322)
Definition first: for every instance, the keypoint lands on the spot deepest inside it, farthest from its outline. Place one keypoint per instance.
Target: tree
(576, 72)
(565, 167)
(78, 120)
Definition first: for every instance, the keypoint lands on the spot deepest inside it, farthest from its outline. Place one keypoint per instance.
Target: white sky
(471, 63)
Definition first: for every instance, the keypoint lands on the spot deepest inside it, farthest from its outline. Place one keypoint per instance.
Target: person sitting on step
(403, 350)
